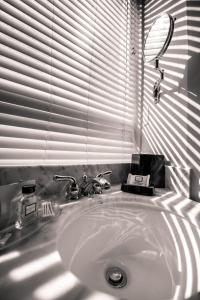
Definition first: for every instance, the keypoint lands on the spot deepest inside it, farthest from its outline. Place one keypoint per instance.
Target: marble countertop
(31, 268)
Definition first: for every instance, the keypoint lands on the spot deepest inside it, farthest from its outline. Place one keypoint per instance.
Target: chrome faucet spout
(71, 188)
(64, 178)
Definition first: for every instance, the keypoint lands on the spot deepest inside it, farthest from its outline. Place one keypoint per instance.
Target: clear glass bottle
(26, 207)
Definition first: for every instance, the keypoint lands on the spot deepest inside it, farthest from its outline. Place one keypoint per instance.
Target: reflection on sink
(146, 243)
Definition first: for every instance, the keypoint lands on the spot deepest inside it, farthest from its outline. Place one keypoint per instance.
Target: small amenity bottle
(26, 207)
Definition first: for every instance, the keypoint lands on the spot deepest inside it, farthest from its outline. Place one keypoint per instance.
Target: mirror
(158, 38)
(156, 44)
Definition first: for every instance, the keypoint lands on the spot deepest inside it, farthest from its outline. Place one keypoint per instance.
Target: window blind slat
(40, 57)
(68, 81)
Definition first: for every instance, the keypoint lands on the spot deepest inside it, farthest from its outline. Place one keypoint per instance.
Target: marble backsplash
(44, 174)
(11, 179)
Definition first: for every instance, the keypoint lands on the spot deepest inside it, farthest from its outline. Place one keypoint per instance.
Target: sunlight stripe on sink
(100, 296)
(57, 287)
(9, 256)
(34, 267)
(64, 284)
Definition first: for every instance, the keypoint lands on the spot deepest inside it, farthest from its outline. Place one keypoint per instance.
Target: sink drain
(116, 277)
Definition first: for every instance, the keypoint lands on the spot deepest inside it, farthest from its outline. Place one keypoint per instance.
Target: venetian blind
(67, 81)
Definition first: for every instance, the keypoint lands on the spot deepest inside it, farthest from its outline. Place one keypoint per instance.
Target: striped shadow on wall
(173, 126)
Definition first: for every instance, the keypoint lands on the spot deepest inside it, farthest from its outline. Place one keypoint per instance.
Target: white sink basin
(144, 242)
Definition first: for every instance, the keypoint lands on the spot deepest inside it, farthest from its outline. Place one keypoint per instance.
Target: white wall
(172, 127)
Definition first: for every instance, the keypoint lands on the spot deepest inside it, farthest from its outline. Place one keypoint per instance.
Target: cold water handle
(104, 182)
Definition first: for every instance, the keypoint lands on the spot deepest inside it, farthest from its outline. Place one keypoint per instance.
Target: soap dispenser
(26, 207)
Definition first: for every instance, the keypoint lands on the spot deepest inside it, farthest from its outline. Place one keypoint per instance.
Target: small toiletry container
(26, 207)
(48, 209)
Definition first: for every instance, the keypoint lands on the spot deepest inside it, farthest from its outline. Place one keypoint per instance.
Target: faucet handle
(107, 173)
(105, 184)
(104, 174)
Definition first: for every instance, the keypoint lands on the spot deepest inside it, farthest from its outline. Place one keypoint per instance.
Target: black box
(144, 164)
